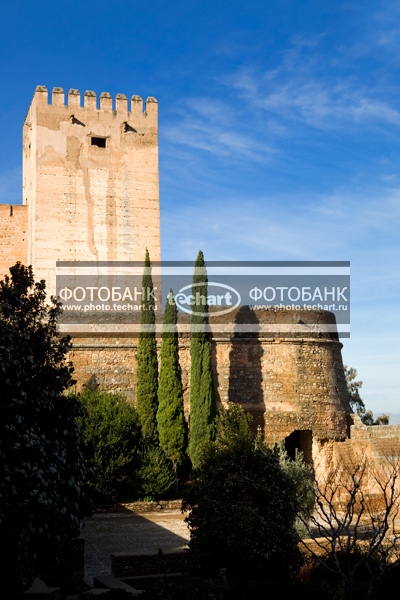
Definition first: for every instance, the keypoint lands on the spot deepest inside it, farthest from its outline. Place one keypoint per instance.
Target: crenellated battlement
(90, 102)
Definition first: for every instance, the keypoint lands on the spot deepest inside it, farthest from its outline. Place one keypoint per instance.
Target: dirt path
(116, 532)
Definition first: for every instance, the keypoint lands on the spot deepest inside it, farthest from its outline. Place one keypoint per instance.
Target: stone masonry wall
(377, 444)
(13, 236)
(377, 448)
(287, 383)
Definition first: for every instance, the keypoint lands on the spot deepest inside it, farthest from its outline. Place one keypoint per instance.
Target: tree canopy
(42, 466)
(242, 505)
(111, 429)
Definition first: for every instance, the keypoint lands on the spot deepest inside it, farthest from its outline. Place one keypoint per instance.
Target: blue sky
(279, 132)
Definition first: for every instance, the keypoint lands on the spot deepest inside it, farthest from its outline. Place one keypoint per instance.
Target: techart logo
(219, 295)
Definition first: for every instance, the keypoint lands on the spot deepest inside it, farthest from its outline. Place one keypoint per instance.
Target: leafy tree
(382, 420)
(156, 473)
(367, 417)
(170, 416)
(357, 404)
(233, 425)
(202, 398)
(110, 426)
(42, 465)
(147, 363)
(242, 505)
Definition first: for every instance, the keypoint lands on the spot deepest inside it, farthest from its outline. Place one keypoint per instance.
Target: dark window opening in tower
(99, 141)
(300, 440)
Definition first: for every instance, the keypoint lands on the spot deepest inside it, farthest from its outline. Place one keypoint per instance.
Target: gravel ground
(116, 532)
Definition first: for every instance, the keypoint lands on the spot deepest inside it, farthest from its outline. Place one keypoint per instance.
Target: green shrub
(302, 477)
(156, 473)
(242, 505)
(110, 426)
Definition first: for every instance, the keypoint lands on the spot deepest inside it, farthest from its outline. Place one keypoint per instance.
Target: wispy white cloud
(377, 210)
(322, 102)
(309, 86)
(302, 40)
(208, 126)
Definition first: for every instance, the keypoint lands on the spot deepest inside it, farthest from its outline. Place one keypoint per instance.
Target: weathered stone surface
(86, 202)
(289, 383)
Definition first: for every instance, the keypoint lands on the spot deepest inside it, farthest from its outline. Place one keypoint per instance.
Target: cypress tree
(147, 364)
(202, 399)
(170, 417)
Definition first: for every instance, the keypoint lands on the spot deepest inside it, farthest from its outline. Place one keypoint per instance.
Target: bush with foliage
(111, 429)
(242, 505)
(156, 475)
(42, 466)
(125, 468)
(302, 476)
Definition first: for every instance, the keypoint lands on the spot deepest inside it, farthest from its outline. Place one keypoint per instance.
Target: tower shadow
(245, 366)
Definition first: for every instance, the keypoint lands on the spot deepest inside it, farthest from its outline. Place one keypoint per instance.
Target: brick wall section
(376, 446)
(13, 236)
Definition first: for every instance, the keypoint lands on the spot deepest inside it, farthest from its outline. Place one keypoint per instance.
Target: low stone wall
(139, 507)
(378, 443)
(375, 447)
(174, 560)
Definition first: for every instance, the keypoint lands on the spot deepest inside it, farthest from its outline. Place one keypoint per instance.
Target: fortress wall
(375, 448)
(378, 443)
(91, 175)
(13, 236)
(287, 383)
(112, 362)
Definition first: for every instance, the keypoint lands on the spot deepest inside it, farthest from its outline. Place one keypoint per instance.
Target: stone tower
(90, 180)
